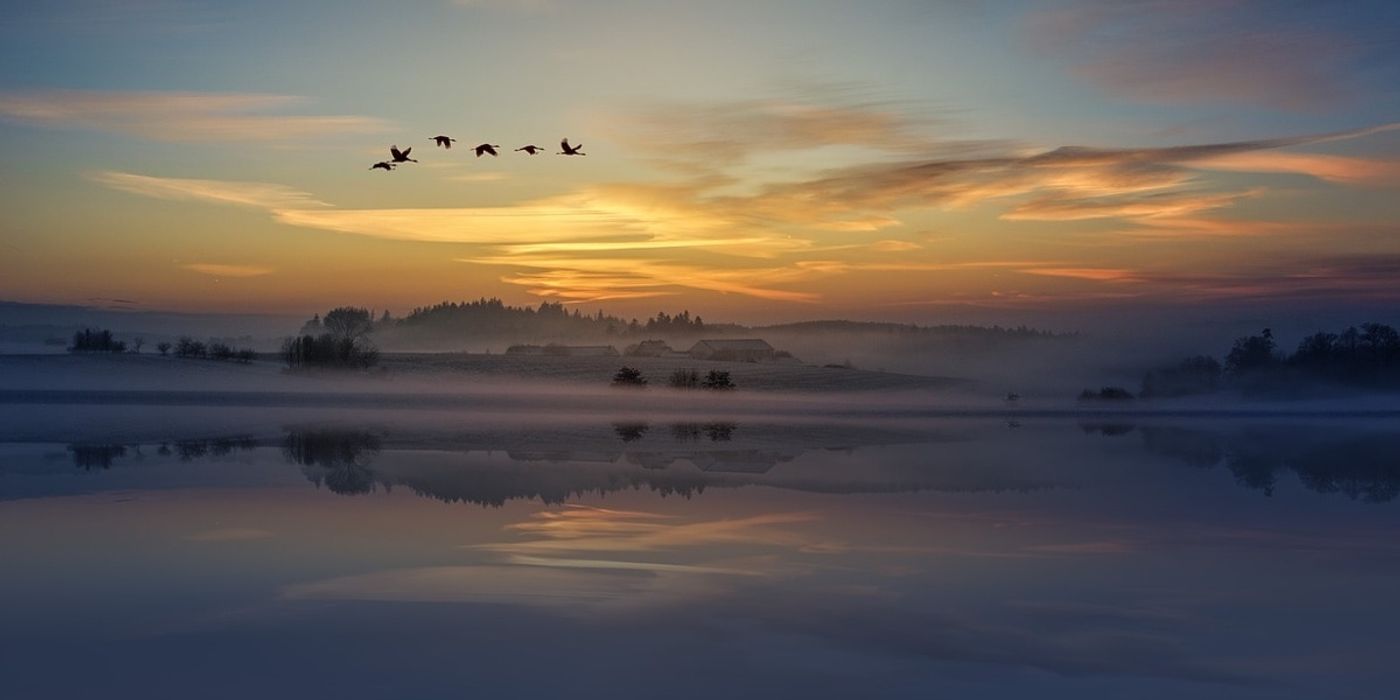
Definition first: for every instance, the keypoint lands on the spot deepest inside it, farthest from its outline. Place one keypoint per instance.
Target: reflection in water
(689, 457)
(630, 432)
(89, 457)
(1362, 466)
(189, 450)
(337, 458)
(1054, 561)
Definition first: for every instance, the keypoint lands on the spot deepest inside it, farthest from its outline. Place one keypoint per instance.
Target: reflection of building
(735, 350)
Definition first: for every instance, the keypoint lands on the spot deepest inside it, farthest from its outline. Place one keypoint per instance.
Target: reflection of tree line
(1361, 466)
(337, 458)
(344, 461)
(715, 431)
(101, 456)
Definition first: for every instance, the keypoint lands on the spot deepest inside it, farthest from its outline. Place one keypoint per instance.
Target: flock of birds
(485, 149)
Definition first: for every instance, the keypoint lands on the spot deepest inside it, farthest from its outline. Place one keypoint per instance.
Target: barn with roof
(733, 350)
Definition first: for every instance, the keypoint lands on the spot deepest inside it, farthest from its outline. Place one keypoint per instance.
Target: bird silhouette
(571, 150)
(401, 156)
(485, 148)
(383, 165)
(444, 141)
(531, 149)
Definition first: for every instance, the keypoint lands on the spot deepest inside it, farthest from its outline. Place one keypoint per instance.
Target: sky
(754, 160)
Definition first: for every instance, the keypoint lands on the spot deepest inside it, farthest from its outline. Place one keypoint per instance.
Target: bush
(327, 350)
(718, 380)
(89, 340)
(186, 346)
(684, 379)
(629, 377)
(163, 347)
(220, 351)
(245, 356)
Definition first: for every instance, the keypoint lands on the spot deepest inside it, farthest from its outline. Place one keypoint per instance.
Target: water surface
(183, 552)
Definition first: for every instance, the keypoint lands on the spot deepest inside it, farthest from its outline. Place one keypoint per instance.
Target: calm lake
(187, 552)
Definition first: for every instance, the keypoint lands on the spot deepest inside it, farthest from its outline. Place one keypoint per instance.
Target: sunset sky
(752, 160)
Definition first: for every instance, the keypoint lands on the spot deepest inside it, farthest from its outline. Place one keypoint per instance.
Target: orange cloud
(221, 270)
(1096, 274)
(1340, 169)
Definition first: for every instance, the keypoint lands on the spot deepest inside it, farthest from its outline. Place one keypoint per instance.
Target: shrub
(684, 379)
(163, 347)
(245, 356)
(220, 351)
(186, 346)
(629, 377)
(89, 340)
(718, 380)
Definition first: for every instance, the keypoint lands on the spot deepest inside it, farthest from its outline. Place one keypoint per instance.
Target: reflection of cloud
(523, 585)
(178, 116)
(231, 534)
(595, 529)
(237, 271)
(1083, 641)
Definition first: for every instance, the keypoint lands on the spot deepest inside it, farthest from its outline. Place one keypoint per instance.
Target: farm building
(650, 348)
(737, 350)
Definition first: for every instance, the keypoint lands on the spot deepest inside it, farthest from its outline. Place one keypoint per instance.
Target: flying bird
(402, 156)
(383, 165)
(571, 150)
(531, 149)
(485, 148)
(444, 141)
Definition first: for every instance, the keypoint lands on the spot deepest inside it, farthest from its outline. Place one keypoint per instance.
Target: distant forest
(494, 319)
(1367, 356)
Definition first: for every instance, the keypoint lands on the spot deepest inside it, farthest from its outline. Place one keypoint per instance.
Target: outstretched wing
(407, 151)
(564, 144)
(394, 150)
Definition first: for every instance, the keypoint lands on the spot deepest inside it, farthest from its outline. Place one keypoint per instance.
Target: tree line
(1365, 356)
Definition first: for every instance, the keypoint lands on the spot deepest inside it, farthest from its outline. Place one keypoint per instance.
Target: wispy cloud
(1095, 274)
(766, 238)
(180, 116)
(223, 270)
(251, 194)
(1339, 169)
